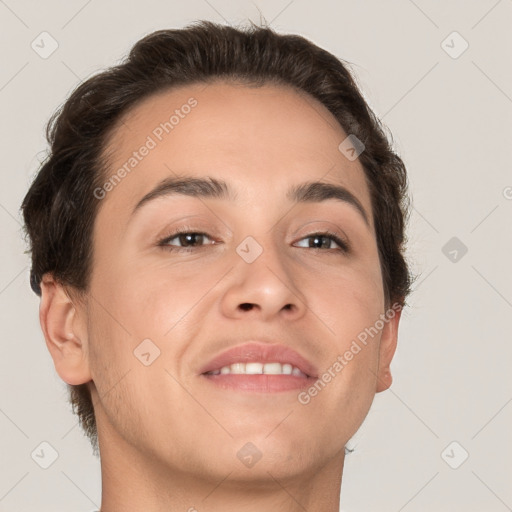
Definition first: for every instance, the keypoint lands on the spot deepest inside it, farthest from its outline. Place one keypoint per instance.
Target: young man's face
(158, 315)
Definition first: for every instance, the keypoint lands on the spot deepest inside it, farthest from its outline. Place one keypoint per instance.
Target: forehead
(260, 139)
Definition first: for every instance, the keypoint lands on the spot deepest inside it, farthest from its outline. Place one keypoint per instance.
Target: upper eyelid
(184, 229)
(176, 234)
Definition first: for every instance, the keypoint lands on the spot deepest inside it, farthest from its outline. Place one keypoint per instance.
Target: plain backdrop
(439, 75)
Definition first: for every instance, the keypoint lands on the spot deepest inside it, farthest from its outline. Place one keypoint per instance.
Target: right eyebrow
(188, 186)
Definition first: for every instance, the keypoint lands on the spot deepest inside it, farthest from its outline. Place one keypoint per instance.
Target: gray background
(451, 122)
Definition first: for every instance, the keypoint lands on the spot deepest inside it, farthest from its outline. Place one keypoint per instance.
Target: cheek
(146, 299)
(350, 304)
(348, 300)
(125, 384)
(164, 299)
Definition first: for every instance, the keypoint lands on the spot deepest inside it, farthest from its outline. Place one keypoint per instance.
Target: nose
(263, 288)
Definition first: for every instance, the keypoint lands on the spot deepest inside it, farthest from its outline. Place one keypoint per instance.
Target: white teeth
(253, 368)
(237, 368)
(287, 369)
(297, 372)
(273, 368)
(258, 369)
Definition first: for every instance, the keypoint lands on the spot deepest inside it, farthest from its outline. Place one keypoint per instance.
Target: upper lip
(263, 353)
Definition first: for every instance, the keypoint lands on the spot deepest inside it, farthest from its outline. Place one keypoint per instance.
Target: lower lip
(260, 383)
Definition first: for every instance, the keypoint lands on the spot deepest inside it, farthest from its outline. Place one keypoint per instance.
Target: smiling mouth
(258, 368)
(259, 377)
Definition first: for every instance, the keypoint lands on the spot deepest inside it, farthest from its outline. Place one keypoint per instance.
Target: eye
(325, 241)
(187, 240)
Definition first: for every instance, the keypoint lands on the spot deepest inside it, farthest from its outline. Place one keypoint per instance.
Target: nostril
(246, 306)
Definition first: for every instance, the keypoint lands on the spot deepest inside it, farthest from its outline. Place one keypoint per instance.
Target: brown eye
(325, 241)
(185, 240)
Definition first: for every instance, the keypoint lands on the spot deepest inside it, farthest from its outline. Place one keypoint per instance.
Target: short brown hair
(60, 207)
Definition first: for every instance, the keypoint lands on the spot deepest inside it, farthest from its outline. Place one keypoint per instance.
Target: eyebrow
(209, 187)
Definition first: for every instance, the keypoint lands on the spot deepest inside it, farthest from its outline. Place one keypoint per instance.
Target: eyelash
(344, 246)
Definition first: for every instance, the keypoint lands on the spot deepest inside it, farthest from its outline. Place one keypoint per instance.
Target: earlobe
(388, 343)
(65, 335)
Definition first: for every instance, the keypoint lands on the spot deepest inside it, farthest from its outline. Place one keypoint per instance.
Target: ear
(64, 329)
(387, 347)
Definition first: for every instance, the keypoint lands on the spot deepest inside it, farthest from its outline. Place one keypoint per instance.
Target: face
(244, 264)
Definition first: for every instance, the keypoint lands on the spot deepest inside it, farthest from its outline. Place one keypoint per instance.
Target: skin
(168, 439)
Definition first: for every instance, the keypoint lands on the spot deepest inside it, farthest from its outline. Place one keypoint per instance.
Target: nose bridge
(262, 278)
(264, 254)
(261, 243)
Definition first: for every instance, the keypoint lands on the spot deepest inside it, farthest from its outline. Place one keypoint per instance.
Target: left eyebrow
(318, 191)
(209, 187)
